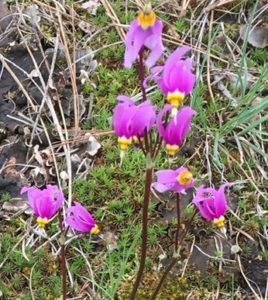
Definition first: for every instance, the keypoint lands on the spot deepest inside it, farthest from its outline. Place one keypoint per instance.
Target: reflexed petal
(167, 181)
(177, 73)
(161, 188)
(211, 202)
(172, 61)
(220, 201)
(166, 176)
(137, 37)
(32, 195)
(143, 119)
(45, 203)
(133, 48)
(44, 206)
(154, 55)
(155, 71)
(75, 224)
(154, 43)
(56, 197)
(205, 212)
(79, 218)
(183, 123)
(131, 33)
(123, 112)
(84, 214)
(125, 100)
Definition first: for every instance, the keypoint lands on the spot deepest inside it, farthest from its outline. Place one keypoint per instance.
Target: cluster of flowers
(47, 202)
(210, 202)
(133, 122)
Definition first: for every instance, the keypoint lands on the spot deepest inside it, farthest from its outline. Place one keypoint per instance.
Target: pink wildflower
(212, 204)
(176, 129)
(132, 120)
(45, 203)
(80, 219)
(173, 180)
(145, 31)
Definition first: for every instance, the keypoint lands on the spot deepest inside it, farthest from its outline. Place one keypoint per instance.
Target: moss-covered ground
(228, 142)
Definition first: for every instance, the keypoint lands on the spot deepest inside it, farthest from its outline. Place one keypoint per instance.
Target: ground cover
(227, 142)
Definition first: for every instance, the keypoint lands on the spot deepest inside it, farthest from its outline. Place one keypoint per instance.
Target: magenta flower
(130, 120)
(176, 129)
(80, 219)
(212, 204)
(176, 78)
(145, 31)
(45, 203)
(173, 180)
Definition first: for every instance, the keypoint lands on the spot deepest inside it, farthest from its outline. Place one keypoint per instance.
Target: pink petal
(143, 119)
(134, 46)
(154, 55)
(172, 60)
(220, 201)
(79, 218)
(166, 176)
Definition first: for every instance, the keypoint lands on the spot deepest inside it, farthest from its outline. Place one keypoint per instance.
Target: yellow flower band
(135, 140)
(95, 230)
(185, 177)
(175, 98)
(42, 222)
(147, 17)
(124, 143)
(219, 223)
(172, 149)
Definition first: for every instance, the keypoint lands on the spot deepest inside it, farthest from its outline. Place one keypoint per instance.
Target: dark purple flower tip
(78, 218)
(45, 203)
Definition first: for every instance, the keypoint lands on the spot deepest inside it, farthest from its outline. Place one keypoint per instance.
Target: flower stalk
(144, 234)
(63, 258)
(178, 222)
(174, 259)
(142, 74)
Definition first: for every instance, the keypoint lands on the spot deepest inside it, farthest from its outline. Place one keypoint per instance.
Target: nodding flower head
(212, 204)
(173, 180)
(174, 132)
(80, 219)
(45, 203)
(132, 121)
(175, 78)
(145, 31)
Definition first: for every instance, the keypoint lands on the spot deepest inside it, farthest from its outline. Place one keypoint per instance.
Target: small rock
(15, 205)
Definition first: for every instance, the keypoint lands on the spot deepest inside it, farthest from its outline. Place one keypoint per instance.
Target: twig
(111, 13)
(30, 282)
(218, 4)
(246, 279)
